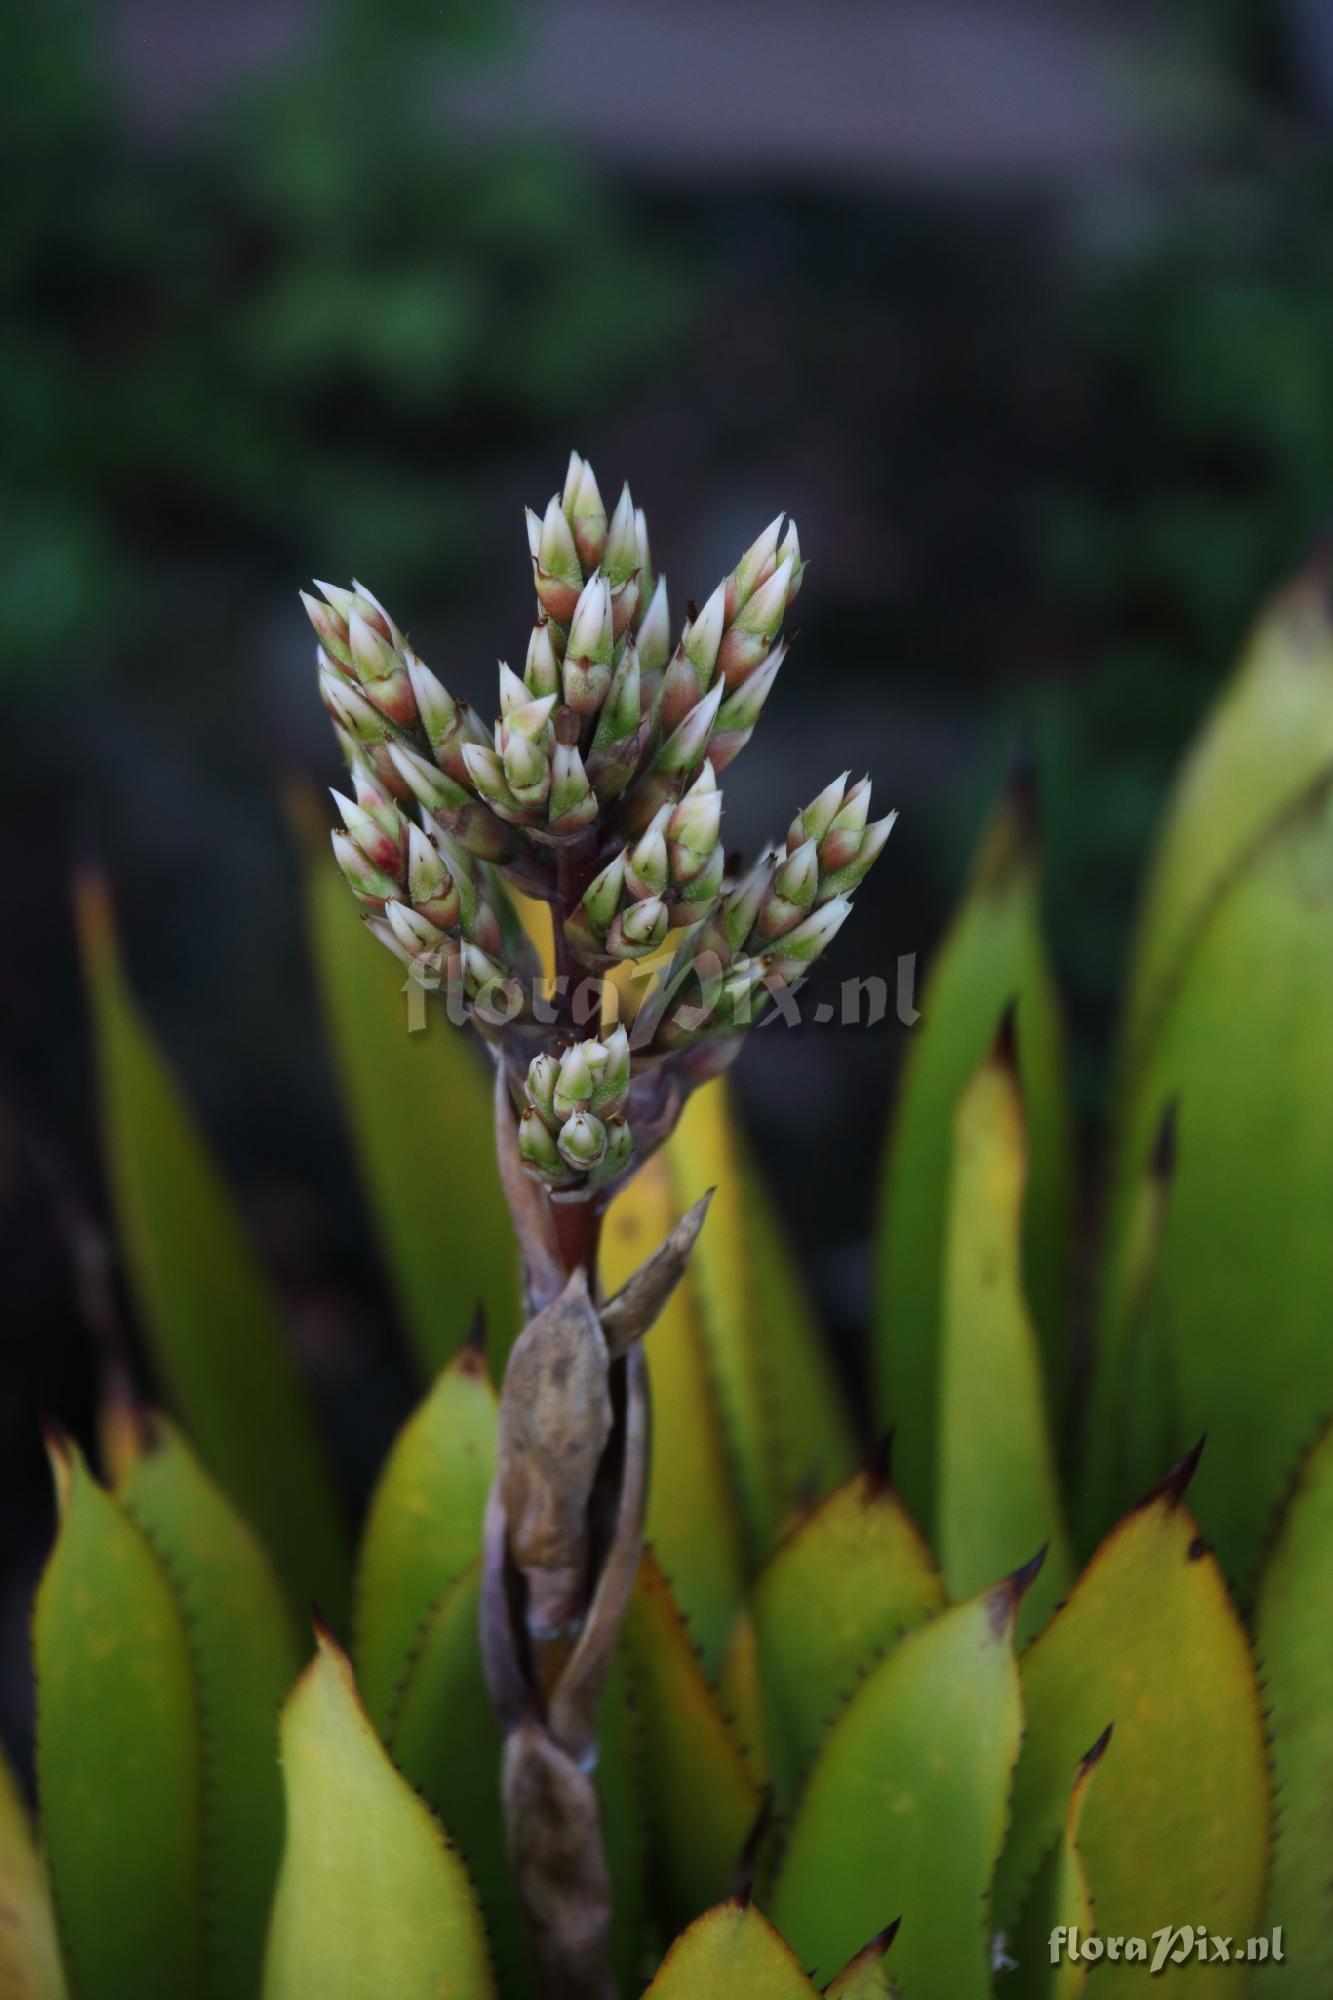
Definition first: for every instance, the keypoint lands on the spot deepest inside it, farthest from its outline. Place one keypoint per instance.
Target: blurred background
(1023, 309)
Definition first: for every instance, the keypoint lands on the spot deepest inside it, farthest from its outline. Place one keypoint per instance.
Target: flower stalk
(596, 792)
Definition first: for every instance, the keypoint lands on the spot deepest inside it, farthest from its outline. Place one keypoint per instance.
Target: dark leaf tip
(1163, 1162)
(1004, 1048)
(1092, 1758)
(1009, 1593)
(1170, 1491)
(742, 1888)
(879, 1468)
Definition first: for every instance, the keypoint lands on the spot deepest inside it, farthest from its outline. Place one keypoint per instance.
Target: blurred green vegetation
(277, 330)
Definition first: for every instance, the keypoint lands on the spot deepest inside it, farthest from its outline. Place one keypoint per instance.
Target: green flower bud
(582, 1141)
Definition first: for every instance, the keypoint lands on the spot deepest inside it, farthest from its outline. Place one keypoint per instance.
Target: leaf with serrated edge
(444, 1738)
(993, 953)
(208, 1309)
(1292, 1643)
(424, 1524)
(907, 1805)
(419, 1110)
(371, 1898)
(839, 1593)
(29, 1955)
(999, 1496)
(701, 1799)
(1176, 1829)
(780, 1406)
(118, 1753)
(867, 1977)
(1240, 1294)
(731, 1950)
(245, 1657)
(693, 1508)
(1060, 1900)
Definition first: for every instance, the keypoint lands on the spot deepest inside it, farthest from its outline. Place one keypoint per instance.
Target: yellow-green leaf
(244, 1658)
(371, 1899)
(118, 1754)
(1176, 1828)
(693, 1511)
(29, 1955)
(444, 1738)
(1239, 1299)
(1268, 739)
(785, 1427)
(866, 1977)
(206, 1305)
(839, 1592)
(1045, 1951)
(993, 953)
(419, 1110)
(999, 1498)
(731, 1950)
(1292, 1642)
(424, 1525)
(700, 1797)
(906, 1807)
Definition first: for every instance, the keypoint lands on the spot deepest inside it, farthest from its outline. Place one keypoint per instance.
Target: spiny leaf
(691, 1482)
(1268, 739)
(371, 1898)
(701, 1799)
(839, 1592)
(1178, 1820)
(784, 1423)
(993, 953)
(1239, 1299)
(999, 1497)
(730, 1950)
(118, 1753)
(419, 1110)
(866, 1977)
(424, 1525)
(206, 1305)
(29, 1955)
(1292, 1642)
(444, 1738)
(906, 1805)
(244, 1658)
(1061, 1901)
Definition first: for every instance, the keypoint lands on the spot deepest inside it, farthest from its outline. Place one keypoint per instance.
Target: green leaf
(866, 1977)
(839, 1592)
(730, 1950)
(993, 954)
(1061, 1901)
(1268, 739)
(700, 1796)
(29, 1955)
(1176, 1828)
(694, 1518)
(444, 1738)
(999, 1497)
(118, 1753)
(1292, 1643)
(624, 1820)
(1239, 1299)
(419, 1110)
(784, 1424)
(205, 1304)
(907, 1805)
(244, 1659)
(371, 1898)
(424, 1525)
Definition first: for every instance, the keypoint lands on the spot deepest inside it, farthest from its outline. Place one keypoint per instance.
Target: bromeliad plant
(549, 1749)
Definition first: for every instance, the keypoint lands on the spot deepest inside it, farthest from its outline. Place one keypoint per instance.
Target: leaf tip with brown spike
(1169, 1492)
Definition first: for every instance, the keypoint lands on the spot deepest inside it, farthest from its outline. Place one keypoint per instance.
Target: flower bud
(693, 824)
(372, 884)
(611, 1088)
(582, 1141)
(839, 845)
(330, 628)
(430, 885)
(556, 567)
(572, 801)
(603, 895)
(654, 634)
(540, 1084)
(382, 849)
(587, 667)
(754, 567)
(621, 559)
(757, 625)
(538, 1150)
(587, 517)
(415, 932)
(638, 929)
(647, 870)
(742, 708)
(580, 1066)
(684, 749)
(542, 668)
(619, 1150)
(814, 820)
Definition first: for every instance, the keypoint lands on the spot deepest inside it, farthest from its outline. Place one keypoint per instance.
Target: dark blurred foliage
(245, 341)
(1048, 448)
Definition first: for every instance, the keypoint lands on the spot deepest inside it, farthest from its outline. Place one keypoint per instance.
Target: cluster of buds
(596, 792)
(422, 894)
(573, 1134)
(768, 929)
